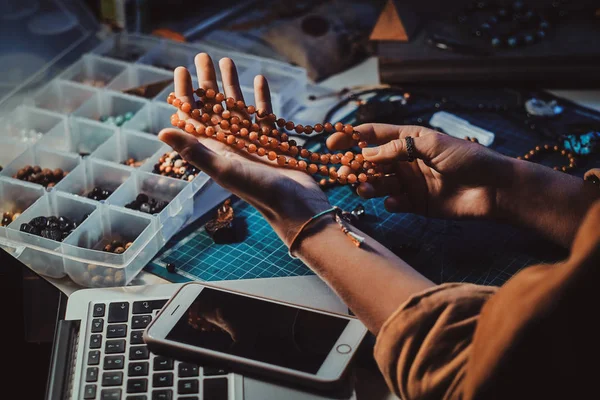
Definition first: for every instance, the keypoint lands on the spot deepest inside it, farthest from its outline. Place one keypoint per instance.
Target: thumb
(396, 150)
(194, 152)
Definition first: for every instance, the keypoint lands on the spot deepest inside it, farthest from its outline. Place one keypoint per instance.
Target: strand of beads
(552, 149)
(268, 141)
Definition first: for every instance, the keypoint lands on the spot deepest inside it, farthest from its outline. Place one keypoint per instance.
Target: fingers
(395, 150)
(384, 186)
(193, 151)
(398, 204)
(231, 83)
(207, 78)
(372, 133)
(183, 88)
(262, 96)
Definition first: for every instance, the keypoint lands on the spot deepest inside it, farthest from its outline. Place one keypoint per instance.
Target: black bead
(28, 228)
(97, 190)
(65, 234)
(142, 198)
(51, 233)
(171, 268)
(39, 222)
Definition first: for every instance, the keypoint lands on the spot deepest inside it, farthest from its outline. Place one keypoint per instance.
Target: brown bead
(546, 147)
(108, 248)
(271, 117)
(292, 142)
(348, 129)
(240, 105)
(281, 122)
(308, 129)
(339, 127)
(538, 148)
(302, 165)
(219, 97)
(205, 118)
(217, 109)
(255, 127)
(333, 173)
(355, 137)
(280, 160)
(299, 128)
(526, 157)
(312, 169)
(235, 119)
(323, 170)
(532, 152)
(345, 160)
(342, 178)
(292, 162)
(230, 102)
(252, 148)
(244, 132)
(221, 136)
(226, 114)
(289, 125)
(262, 113)
(323, 182)
(351, 178)
(209, 131)
(362, 144)
(251, 110)
(360, 158)
(224, 124)
(177, 103)
(181, 124)
(186, 107)
(304, 153)
(230, 139)
(199, 92)
(215, 120)
(325, 158)
(50, 185)
(328, 127)
(334, 159)
(318, 128)
(261, 151)
(362, 177)
(355, 165)
(284, 147)
(189, 128)
(264, 140)
(556, 148)
(274, 132)
(234, 128)
(58, 173)
(246, 123)
(240, 143)
(195, 113)
(119, 250)
(265, 130)
(294, 151)
(128, 245)
(314, 157)
(210, 94)
(208, 107)
(564, 169)
(253, 136)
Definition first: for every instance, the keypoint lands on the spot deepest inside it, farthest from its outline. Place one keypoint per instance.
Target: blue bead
(128, 115)
(119, 120)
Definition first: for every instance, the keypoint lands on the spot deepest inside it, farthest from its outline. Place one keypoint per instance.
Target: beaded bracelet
(356, 239)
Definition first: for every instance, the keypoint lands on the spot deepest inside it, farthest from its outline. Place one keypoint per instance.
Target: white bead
(178, 163)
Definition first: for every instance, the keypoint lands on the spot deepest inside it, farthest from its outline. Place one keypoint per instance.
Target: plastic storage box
(82, 123)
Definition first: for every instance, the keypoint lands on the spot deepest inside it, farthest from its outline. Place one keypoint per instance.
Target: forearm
(370, 279)
(549, 202)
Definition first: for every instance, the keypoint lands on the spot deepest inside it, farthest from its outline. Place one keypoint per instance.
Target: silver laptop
(99, 355)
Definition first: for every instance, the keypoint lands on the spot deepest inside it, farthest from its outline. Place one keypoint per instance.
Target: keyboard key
(138, 369)
(118, 312)
(212, 371)
(187, 370)
(112, 378)
(136, 337)
(94, 357)
(163, 395)
(163, 363)
(137, 397)
(188, 398)
(188, 386)
(91, 374)
(97, 325)
(116, 331)
(146, 307)
(95, 341)
(138, 353)
(162, 379)
(137, 385)
(114, 362)
(115, 346)
(215, 389)
(110, 394)
(89, 392)
(99, 310)
(140, 321)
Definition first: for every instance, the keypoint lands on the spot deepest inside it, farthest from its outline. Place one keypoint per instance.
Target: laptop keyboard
(118, 365)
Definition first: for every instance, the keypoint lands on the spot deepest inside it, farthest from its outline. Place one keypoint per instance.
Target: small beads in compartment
(99, 83)
(103, 277)
(146, 204)
(117, 246)
(54, 228)
(29, 135)
(8, 217)
(99, 193)
(132, 162)
(172, 165)
(117, 120)
(42, 176)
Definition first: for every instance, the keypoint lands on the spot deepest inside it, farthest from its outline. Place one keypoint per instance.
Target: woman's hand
(451, 178)
(287, 198)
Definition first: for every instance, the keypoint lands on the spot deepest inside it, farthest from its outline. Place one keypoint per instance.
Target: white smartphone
(255, 335)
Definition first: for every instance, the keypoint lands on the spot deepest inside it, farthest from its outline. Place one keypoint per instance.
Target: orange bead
(304, 153)
(215, 120)
(318, 128)
(240, 143)
(289, 125)
(195, 113)
(349, 154)
(246, 123)
(294, 151)
(342, 178)
(234, 119)
(181, 124)
(325, 158)
(272, 155)
(355, 137)
(210, 131)
(221, 136)
(230, 139)
(234, 128)
(339, 127)
(261, 151)
(210, 94)
(281, 122)
(255, 127)
(362, 177)
(362, 144)
(348, 129)
(177, 103)
(274, 132)
(262, 113)
(252, 148)
(323, 170)
(345, 160)
(281, 160)
(224, 124)
(253, 136)
(219, 97)
(189, 128)
(302, 165)
(251, 110)
(351, 178)
(230, 102)
(284, 137)
(308, 129)
(226, 114)
(240, 105)
(186, 107)
(284, 146)
(205, 118)
(314, 157)
(292, 162)
(274, 143)
(355, 165)
(328, 127)
(170, 99)
(200, 129)
(312, 169)
(334, 159)
(265, 130)
(217, 109)
(299, 128)
(264, 140)
(360, 158)
(333, 173)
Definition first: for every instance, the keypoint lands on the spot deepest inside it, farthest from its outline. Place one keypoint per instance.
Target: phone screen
(258, 330)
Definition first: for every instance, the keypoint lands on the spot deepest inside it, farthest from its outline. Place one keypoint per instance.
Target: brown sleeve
(422, 349)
